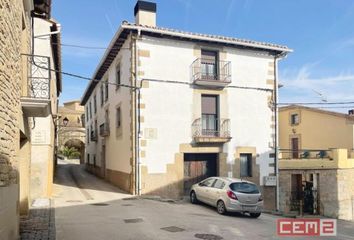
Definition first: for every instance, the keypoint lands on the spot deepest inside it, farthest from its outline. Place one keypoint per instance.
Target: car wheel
(220, 206)
(255, 215)
(193, 198)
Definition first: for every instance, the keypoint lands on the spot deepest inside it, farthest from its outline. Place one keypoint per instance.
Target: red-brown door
(198, 167)
(295, 147)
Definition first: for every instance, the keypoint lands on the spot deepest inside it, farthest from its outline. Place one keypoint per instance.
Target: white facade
(161, 63)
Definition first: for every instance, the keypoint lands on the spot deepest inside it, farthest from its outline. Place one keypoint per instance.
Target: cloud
(301, 84)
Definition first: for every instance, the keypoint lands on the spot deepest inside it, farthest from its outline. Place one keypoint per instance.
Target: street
(88, 208)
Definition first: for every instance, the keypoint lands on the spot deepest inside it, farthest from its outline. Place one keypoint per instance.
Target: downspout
(137, 119)
(276, 132)
(276, 129)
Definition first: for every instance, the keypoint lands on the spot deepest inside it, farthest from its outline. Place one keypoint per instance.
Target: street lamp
(65, 121)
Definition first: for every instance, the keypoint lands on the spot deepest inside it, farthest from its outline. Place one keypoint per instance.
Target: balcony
(219, 134)
(94, 136)
(104, 129)
(209, 73)
(35, 99)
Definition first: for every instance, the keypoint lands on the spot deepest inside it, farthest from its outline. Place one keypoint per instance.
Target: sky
(320, 32)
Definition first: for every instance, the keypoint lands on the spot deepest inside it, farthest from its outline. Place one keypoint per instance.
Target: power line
(314, 103)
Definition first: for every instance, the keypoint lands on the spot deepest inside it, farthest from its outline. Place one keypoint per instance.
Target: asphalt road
(88, 208)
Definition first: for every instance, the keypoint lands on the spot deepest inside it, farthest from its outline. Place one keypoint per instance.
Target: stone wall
(13, 41)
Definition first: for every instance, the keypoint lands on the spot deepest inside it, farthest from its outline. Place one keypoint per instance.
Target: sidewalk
(40, 223)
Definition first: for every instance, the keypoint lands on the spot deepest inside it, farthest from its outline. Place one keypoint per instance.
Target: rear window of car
(244, 187)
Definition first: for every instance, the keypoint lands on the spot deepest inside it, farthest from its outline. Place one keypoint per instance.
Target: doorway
(197, 167)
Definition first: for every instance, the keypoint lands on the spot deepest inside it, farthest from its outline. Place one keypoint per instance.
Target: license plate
(248, 208)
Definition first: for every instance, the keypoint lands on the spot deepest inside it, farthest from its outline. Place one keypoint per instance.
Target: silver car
(228, 195)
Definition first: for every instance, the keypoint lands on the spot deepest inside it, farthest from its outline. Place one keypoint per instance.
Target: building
(172, 108)
(71, 131)
(316, 162)
(47, 85)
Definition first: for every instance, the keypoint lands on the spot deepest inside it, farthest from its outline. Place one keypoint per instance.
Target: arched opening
(79, 146)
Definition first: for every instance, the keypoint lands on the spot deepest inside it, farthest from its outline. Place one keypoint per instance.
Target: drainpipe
(276, 132)
(276, 129)
(137, 119)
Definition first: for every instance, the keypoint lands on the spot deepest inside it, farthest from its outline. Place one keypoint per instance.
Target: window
(210, 125)
(207, 183)
(209, 65)
(219, 184)
(95, 104)
(87, 114)
(102, 95)
(245, 165)
(244, 187)
(295, 119)
(118, 77)
(90, 109)
(118, 118)
(106, 90)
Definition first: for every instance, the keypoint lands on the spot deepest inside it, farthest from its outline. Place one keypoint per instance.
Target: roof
(126, 28)
(318, 110)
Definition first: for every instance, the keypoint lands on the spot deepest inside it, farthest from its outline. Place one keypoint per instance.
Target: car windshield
(244, 187)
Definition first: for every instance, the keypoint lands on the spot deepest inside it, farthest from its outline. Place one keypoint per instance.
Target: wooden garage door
(198, 167)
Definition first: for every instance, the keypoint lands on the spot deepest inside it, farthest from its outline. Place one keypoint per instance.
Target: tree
(71, 152)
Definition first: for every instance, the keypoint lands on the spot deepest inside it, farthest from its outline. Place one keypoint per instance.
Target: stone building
(185, 106)
(316, 162)
(71, 131)
(20, 103)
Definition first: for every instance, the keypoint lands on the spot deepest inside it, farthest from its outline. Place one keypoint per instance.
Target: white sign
(270, 181)
(39, 137)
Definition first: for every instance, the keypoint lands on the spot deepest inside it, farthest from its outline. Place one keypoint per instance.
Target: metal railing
(38, 77)
(206, 70)
(104, 129)
(221, 129)
(304, 154)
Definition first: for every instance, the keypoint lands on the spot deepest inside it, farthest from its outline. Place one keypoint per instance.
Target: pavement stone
(39, 224)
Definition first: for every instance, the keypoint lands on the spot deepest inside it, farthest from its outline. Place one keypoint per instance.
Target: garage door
(198, 167)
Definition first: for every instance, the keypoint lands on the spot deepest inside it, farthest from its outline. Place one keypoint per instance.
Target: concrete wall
(316, 130)
(43, 134)
(14, 40)
(169, 109)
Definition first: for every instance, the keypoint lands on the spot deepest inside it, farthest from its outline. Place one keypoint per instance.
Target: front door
(198, 167)
(295, 147)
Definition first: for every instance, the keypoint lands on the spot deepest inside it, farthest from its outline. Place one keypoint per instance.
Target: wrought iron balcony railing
(104, 129)
(219, 133)
(38, 79)
(206, 72)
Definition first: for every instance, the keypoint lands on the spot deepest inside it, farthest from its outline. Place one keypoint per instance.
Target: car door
(204, 189)
(216, 191)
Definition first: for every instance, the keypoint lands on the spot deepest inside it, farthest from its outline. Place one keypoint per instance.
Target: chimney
(351, 112)
(145, 13)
